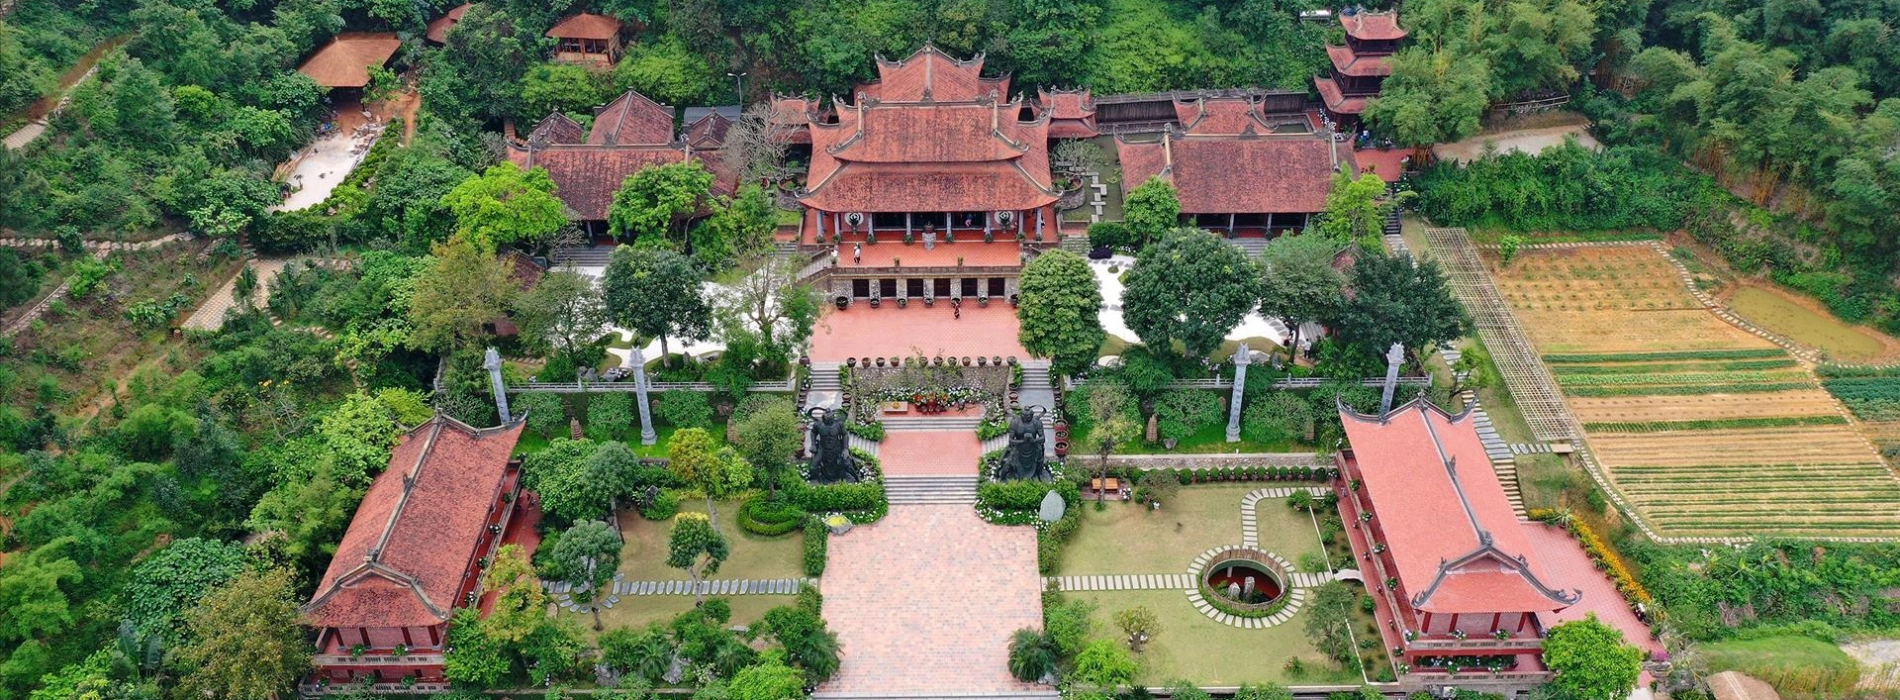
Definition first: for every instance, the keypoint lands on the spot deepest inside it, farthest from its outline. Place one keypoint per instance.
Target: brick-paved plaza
(924, 601)
(861, 331)
(929, 452)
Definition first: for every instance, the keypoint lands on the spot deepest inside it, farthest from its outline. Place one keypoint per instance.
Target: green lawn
(753, 557)
(1793, 665)
(1128, 538)
(1195, 647)
(1808, 326)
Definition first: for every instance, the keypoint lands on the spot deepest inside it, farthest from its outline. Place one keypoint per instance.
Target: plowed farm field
(1711, 431)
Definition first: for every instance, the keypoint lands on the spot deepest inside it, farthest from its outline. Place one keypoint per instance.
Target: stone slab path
(1162, 582)
(1249, 527)
(210, 315)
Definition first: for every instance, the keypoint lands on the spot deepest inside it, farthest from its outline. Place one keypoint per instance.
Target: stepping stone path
(1503, 455)
(1249, 530)
(1530, 449)
(1295, 595)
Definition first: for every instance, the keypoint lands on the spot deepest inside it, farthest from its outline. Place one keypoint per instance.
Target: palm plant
(1032, 655)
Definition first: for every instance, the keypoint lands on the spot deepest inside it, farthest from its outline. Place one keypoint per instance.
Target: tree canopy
(1398, 300)
(656, 293)
(506, 205)
(1059, 309)
(1190, 287)
(1592, 660)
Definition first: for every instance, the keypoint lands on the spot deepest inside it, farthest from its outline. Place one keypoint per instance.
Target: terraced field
(1709, 430)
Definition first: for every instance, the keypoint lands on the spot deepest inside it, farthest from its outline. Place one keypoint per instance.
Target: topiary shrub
(663, 507)
(769, 518)
(816, 539)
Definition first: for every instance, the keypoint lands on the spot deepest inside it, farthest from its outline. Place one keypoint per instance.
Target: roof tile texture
(1239, 175)
(1373, 26)
(429, 536)
(345, 61)
(586, 26)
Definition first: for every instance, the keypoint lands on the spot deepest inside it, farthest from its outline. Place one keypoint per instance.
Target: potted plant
(959, 261)
(1459, 635)
(1015, 300)
(908, 236)
(902, 302)
(983, 299)
(874, 300)
(897, 261)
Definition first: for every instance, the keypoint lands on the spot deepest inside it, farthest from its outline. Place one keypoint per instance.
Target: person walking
(857, 253)
(956, 309)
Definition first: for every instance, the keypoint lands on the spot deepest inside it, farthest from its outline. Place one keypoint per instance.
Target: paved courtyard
(924, 601)
(888, 331)
(930, 452)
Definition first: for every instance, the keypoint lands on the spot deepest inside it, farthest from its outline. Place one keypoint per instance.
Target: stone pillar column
(647, 436)
(1240, 387)
(1393, 357)
(492, 363)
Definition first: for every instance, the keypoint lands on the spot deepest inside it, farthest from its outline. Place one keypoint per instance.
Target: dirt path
(1520, 140)
(35, 114)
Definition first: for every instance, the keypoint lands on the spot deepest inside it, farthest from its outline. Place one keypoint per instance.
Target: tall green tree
(1592, 660)
(656, 293)
(1152, 210)
(770, 311)
(246, 640)
(767, 439)
(32, 602)
(696, 548)
(1329, 621)
(1060, 311)
(718, 472)
(566, 88)
(477, 73)
(1300, 283)
(658, 202)
(579, 480)
(1189, 287)
(1355, 207)
(467, 288)
(587, 555)
(506, 205)
(564, 311)
(1431, 97)
(1398, 300)
(1113, 422)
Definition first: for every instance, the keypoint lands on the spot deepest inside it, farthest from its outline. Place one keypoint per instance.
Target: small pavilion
(1236, 168)
(438, 29)
(587, 38)
(344, 63)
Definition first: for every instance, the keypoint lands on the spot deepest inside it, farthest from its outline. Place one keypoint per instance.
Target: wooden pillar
(1424, 625)
(1495, 619)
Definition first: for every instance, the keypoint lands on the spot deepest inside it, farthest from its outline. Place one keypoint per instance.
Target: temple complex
(629, 134)
(1238, 167)
(1361, 66)
(413, 554)
(1457, 579)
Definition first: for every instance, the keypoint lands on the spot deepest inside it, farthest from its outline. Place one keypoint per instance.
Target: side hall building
(1240, 165)
(629, 134)
(413, 554)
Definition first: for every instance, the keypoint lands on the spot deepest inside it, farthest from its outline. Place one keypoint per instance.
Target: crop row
(1857, 371)
(1659, 426)
(1597, 392)
(1597, 358)
(1739, 366)
(1864, 387)
(1670, 378)
(1874, 409)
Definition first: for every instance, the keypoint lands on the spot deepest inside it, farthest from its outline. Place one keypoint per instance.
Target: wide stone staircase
(1393, 241)
(1018, 695)
(931, 489)
(963, 423)
(583, 256)
(1253, 247)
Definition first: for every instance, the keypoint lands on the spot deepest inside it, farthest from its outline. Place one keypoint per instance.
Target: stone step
(934, 423)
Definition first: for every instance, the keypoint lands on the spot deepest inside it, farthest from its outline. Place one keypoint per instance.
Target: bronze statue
(1026, 458)
(831, 459)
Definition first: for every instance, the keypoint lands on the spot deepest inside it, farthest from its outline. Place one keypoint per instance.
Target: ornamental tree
(1104, 664)
(1060, 311)
(455, 299)
(656, 293)
(660, 200)
(696, 548)
(1300, 284)
(247, 639)
(1151, 210)
(1328, 620)
(506, 205)
(771, 680)
(1355, 207)
(1592, 660)
(520, 605)
(1398, 300)
(1138, 624)
(1190, 287)
(1031, 655)
(768, 439)
(579, 479)
(586, 556)
(564, 312)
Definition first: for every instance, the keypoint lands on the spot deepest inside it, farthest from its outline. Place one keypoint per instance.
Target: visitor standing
(857, 253)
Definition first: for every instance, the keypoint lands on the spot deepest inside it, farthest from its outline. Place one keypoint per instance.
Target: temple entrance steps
(1022, 695)
(1503, 457)
(1393, 240)
(967, 423)
(1253, 247)
(947, 489)
(1076, 244)
(583, 256)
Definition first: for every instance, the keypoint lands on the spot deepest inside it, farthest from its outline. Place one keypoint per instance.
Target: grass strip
(1593, 392)
(1598, 358)
(1663, 426)
(1738, 366)
(1626, 379)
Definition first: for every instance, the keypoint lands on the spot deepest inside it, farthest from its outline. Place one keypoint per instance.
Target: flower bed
(1606, 559)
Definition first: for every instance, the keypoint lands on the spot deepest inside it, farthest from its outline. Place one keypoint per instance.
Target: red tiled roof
(791, 119)
(409, 547)
(586, 26)
(1335, 100)
(1068, 104)
(1348, 63)
(557, 128)
(993, 186)
(632, 119)
(934, 133)
(587, 175)
(1220, 116)
(1458, 545)
(345, 61)
(1247, 174)
(930, 74)
(709, 132)
(439, 27)
(1372, 26)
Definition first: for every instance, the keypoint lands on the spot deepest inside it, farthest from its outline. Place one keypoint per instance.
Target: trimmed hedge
(1020, 502)
(863, 501)
(1597, 392)
(1659, 426)
(663, 507)
(1597, 358)
(769, 519)
(817, 538)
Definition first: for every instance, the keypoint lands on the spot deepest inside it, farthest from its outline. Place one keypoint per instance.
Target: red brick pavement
(861, 331)
(924, 601)
(932, 452)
